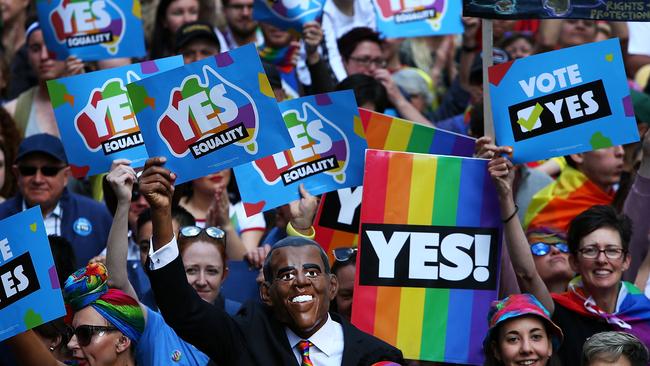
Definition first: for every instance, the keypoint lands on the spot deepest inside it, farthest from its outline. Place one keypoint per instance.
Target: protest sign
(563, 102)
(427, 265)
(327, 153)
(96, 119)
(581, 9)
(288, 14)
(30, 294)
(92, 29)
(208, 115)
(415, 18)
(337, 219)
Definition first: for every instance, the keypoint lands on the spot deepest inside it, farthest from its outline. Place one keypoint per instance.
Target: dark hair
(295, 242)
(143, 218)
(11, 138)
(350, 40)
(162, 40)
(352, 261)
(182, 216)
(64, 258)
(54, 329)
(595, 218)
(515, 36)
(366, 89)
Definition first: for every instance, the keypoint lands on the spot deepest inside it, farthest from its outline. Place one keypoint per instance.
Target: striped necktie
(303, 347)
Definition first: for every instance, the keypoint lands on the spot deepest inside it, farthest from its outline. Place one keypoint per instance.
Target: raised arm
(501, 171)
(121, 179)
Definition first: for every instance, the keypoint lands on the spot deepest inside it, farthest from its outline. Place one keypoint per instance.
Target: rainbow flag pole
(436, 323)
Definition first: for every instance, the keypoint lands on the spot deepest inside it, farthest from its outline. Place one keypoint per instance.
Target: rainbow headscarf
(633, 315)
(87, 287)
(559, 202)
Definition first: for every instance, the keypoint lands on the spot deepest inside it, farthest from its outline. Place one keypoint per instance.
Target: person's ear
(334, 286)
(495, 350)
(265, 294)
(574, 262)
(626, 261)
(66, 175)
(578, 158)
(226, 270)
(122, 344)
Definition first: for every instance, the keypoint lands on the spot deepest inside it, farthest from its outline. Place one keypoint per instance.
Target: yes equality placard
(211, 115)
(337, 219)
(288, 14)
(30, 294)
(327, 153)
(428, 259)
(580, 9)
(92, 29)
(563, 102)
(96, 119)
(415, 18)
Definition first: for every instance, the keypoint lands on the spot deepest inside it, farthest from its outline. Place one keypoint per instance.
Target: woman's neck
(557, 287)
(605, 299)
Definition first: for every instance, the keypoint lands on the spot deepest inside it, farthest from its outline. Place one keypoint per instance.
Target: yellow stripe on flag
(421, 195)
(411, 316)
(398, 136)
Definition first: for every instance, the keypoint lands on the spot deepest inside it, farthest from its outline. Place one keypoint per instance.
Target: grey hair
(610, 346)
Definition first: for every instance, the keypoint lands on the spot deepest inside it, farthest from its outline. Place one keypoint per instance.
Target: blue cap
(42, 143)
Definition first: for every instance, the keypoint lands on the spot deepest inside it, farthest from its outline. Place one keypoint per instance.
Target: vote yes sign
(288, 14)
(563, 102)
(414, 18)
(96, 118)
(92, 29)
(30, 293)
(211, 115)
(327, 153)
(428, 257)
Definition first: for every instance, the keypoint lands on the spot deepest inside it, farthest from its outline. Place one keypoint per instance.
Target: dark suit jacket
(254, 336)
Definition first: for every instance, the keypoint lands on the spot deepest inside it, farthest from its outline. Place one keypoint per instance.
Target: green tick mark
(532, 118)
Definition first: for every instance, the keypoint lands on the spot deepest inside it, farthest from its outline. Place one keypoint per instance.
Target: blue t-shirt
(160, 345)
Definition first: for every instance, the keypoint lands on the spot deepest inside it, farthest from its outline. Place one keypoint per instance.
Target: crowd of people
(144, 261)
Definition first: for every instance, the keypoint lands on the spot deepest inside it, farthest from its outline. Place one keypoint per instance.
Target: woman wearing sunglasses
(551, 255)
(597, 299)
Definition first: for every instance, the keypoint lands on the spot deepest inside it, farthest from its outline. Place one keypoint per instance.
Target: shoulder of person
(10, 206)
(370, 348)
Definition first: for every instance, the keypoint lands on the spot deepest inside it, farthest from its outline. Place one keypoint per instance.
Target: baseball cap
(42, 143)
(515, 306)
(189, 32)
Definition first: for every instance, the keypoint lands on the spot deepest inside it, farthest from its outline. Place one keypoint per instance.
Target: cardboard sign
(428, 259)
(563, 102)
(30, 294)
(92, 29)
(415, 18)
(327, 153)
(96, 119)
(211, 115)
(337, 219)
(583, 9)
(288, 14)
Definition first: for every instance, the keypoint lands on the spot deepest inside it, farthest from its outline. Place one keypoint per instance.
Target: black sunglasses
(343, 254)
(48, 171)
(85, 333)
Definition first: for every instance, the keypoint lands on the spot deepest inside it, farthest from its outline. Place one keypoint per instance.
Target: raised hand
(502, 172)
(303, 210)
(218, 213)
(121, 178)
(157, 183)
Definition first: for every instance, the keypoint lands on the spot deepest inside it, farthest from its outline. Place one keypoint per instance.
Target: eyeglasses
(343, 254)
(593, 252)
(541, 249)
(367, 61)
(194, 231)
(48, 171)
(85, 333)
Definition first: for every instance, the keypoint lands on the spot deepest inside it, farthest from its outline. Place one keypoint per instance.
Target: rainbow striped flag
(382, 132)
(420, 307)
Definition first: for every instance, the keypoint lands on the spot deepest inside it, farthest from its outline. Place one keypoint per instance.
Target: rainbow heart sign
(326, 153)
(92, 29)
(96, 118)
(288, 14)
(415, 18)
(208, 115)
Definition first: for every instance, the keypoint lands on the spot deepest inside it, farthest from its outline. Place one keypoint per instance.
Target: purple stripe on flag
(482, 301)
(463, 146)
(490, 212)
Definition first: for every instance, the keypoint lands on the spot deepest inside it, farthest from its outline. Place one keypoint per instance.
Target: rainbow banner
(337, 219)
(428, 254)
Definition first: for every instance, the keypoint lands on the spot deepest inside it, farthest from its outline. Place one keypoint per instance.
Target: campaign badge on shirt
(82, 226)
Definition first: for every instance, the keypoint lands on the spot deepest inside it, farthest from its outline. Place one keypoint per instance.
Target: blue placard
(582, 9)
(563, 102)
(327, 153)
(415, 18)
(211, 115)
(288, 14)
(96, 118)
(92, 29)
(30, 294)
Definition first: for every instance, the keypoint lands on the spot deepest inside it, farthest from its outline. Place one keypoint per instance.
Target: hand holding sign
(157, 183)
(303, 211)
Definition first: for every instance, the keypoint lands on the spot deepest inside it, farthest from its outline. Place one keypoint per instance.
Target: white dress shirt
(52, 221)
(327, 349)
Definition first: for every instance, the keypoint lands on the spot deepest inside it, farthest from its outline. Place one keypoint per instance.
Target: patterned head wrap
(519, 305)
(87, 287)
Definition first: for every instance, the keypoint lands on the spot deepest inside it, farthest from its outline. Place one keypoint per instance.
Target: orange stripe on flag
(377, 130)
(398, 189)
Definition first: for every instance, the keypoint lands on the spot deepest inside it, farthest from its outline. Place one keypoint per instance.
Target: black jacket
(254, 336)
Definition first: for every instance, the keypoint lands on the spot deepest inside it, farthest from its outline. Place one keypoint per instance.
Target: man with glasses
(42, 171)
